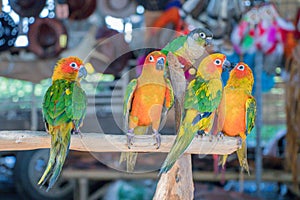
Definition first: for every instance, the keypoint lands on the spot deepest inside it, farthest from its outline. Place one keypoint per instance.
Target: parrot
(146, 101)
(240, 109)
(201, 99)
(64, 109)
(188, 48)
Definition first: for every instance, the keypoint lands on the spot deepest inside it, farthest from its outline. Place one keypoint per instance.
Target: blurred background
(110, 36)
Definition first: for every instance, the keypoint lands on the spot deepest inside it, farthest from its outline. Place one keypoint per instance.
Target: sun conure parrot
(240, 108)
(64, 108)
(188, 48)
(202, 97)
(147, 100)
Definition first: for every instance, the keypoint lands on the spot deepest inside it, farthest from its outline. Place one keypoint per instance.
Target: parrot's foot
(200, 133)
(220, 135)
(130, 137)
(156, 134)
(76, 132)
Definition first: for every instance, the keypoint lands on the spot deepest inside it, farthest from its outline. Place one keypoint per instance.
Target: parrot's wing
(250, 114)
(79, 106)
(128, 100)
(176, 44)
(219, 118)
(169, 102)
(203, 96)
(64, 102)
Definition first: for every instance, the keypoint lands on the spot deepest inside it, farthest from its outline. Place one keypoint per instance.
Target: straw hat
(28, 8)
(47, 37)
(116, 8)
(8, 31)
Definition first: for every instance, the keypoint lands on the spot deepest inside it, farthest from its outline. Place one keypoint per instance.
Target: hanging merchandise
(81, 9)
(47, 37)
(8, 31)
(217, 15)
(116, 8)
(28, 8)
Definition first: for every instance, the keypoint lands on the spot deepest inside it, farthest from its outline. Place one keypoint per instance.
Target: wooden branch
(99, 142)
(178, 182)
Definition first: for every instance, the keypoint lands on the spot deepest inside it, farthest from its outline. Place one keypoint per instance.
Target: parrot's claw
(76, 132)
(220, 135)
(157, 139)
(200, 133)
(130, 137)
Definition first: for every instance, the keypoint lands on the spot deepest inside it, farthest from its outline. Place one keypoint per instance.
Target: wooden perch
(99, 142)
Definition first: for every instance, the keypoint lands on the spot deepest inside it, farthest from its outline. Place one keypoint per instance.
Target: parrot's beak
(82, 73)
(208, 41)
(160, 64)
(227, 65)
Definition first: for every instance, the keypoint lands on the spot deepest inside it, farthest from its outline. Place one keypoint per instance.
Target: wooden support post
(178, 182)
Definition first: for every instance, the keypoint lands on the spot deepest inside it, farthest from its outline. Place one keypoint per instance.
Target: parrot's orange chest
(235, 112)
(147, 103)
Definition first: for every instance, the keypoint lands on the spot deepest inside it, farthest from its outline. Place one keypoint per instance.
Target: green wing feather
(250, 114)
(176, 44)
(203, 95)
(128, 99)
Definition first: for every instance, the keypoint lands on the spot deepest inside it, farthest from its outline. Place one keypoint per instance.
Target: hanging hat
(27, 8)
(8, 31)
(81, 9)
(47, 37)
(116, 8)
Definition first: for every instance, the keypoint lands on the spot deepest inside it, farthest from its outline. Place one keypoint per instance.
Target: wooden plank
(99, 142)
(107, 175)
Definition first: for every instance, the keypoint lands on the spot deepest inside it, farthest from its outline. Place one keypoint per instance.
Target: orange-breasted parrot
(64, 108)
(188, 48)
(240, 108)
(202, 97)
(146, 102)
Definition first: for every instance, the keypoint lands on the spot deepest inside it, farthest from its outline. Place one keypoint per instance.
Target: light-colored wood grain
(99, 142)
(178, 182)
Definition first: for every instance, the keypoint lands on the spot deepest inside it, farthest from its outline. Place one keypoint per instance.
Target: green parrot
(188, 48)
(64, 108)
(202, 98)
(146, 102)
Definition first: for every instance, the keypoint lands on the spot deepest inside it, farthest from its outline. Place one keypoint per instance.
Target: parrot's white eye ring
(217, 62)
(73, 65)
(151, 59)
(241, 67)
(202, 35)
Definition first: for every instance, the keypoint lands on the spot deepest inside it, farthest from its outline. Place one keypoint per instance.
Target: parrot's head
(200, 36)
(212, 66)
(70, 68)
(155, 61)
(241, 76)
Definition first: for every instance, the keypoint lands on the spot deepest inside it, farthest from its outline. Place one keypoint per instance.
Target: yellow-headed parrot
(146, 102)
(64, 108)
(202, 97)
(240, 108)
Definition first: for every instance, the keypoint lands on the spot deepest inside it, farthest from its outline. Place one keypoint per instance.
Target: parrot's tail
(242, 156)
(130, 158)
(60, 142)
(184, 138)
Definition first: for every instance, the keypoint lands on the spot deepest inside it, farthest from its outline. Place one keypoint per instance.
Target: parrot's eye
(241, 67)
(73, 65)
(151, 59)
(202, 35)
(218, 62)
